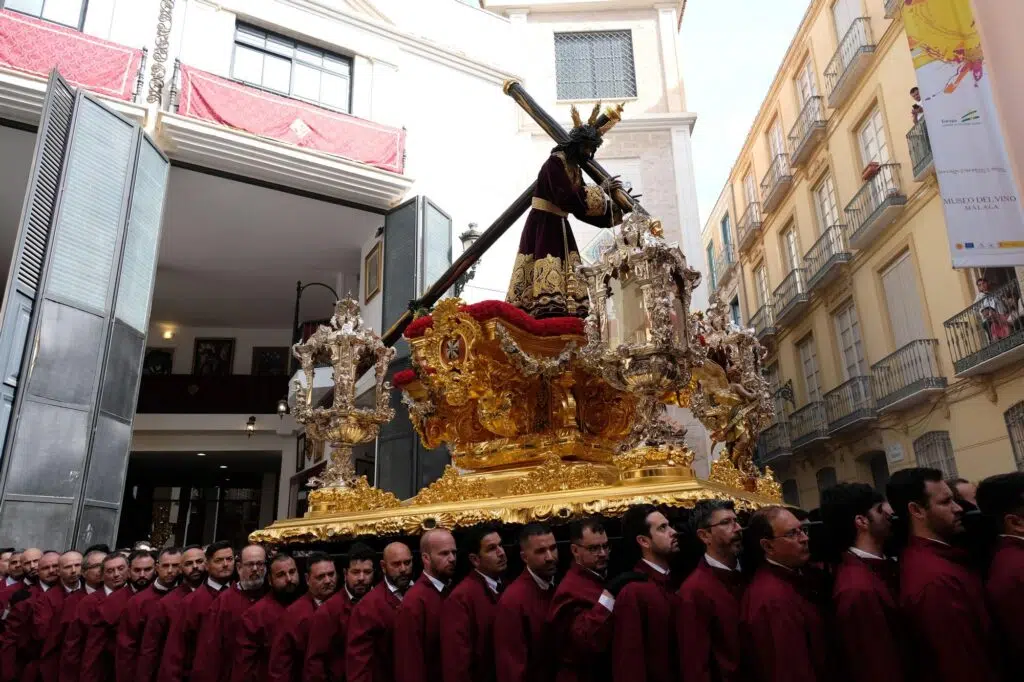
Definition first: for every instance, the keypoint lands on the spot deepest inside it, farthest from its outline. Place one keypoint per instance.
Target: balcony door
(726, 238)
(872, 140)
(776, 142)
(809, 364)
(761, 289)
(791, 249)
(806, 85)
(825, 205)
(749, 188)
(844, 13)
(850, 346)
(903, 303)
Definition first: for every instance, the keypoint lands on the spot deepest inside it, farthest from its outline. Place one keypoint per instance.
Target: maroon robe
(215, 650)
(101, 638)
(581, 628)
(130, 631)
(87, 613)
(259, 627)
(708, 625)
(782, 628)
(180, 649)
(16, 650)
(644, 634)
(369, 645)
(521, 644)
(867, 626)
(467, 648)
(1005, 590)
(325, 651)
(544, 281)
(288, 647)
(49, 653)
(161, 616)
(417, 634)
(6, 593)
(942, 602)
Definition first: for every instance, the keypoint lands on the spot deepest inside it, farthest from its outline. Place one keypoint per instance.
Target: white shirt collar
(160, 587)
(437, 583)
(541, 583)
(715, 563)
(214, 584)
(939, 542)
(9, 581)
(317, 602)
(69, 590)
(394, 590)
(107, 590)
(44, 586)
(89, 590)
(491, 582)
(1009, 535)
(656, 567)
(776, 563)
(28, 583)
(865, 555)
(351, 597)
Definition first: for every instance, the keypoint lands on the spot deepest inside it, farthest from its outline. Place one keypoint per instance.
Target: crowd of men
(756, 608)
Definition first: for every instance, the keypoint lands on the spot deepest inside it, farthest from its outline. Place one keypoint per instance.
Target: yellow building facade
(829, 240)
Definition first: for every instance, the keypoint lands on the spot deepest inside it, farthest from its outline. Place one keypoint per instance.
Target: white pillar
(669, 56)
(689, 217)
(362, 87)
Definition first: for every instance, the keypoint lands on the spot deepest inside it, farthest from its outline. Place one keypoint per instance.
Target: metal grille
(1015, 426)
(934, 449)
(595, 65)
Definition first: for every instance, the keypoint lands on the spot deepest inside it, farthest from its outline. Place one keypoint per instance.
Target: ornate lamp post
(468, 238)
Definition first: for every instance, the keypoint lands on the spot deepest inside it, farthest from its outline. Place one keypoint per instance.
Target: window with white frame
(902, 302)
(1015, 427)
(282, 65)
(776, 142)
(934, 449)
(67, 12)
(809, 364)
(749, 188)
(806, 85)
(594, 65)
(761, 285)
(711, 265)
(825, 205)
(871, 139)
(850, 347)
(791, 248)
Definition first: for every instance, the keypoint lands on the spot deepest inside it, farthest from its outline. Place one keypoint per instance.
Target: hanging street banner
(984, 218)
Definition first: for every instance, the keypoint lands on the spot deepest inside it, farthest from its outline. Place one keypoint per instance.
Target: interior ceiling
(170, 464)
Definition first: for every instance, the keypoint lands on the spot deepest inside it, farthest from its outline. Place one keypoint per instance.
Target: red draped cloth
(708, 625)
(581, 628)
(369, 648)
(521, 645)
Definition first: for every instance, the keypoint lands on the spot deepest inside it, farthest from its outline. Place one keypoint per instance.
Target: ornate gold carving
(452, 487)
(768, 486)
(725, 472)
(357, 496)
(448, 351)
(554, 475)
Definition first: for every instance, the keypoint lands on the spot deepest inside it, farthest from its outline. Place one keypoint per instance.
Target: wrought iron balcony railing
(749, 225)
(725, 263)
(763, 322)
(791, 295)
(774, 444)
(189, 394)
(920, 150)
(776, 181)
(824, 258)
(989, 333)
(875, 205)
(908, 375)
(808, 425)
(849, 403)
(808, 130)
(849, 61)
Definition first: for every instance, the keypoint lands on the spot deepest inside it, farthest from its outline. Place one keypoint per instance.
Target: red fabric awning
(239, 106)
(36, 46)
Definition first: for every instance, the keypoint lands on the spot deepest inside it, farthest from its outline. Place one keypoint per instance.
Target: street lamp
(250, 427)
(468, 238)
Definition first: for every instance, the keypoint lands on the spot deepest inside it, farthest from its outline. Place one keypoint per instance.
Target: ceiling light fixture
(282, 407)
(250, 427)
(200, 454)
(168, 333)
(223, 466)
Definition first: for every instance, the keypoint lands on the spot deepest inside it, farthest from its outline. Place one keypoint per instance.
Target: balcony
(808, 425)
(749, 225)
(849, 62)
(725, 265)
(907, 377)
(892, 8)
(776, 182)
(989, 334)
(791, 297)
(849, 404)
(808, 130)
(920, 151)
(189, 394)
(824, 260)
(773, 444)
(875, 205)
(763, 322)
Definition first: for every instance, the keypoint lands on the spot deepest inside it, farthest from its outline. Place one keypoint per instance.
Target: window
(903, 304)
(825, 204)
(282, 65)
(776, 143)
(726, 236)
(67, 12)
(791, 493)
(711, 265)
(761, 285)
(734, 311)
(1015, 426)
(826, 477)
(806, 86)
(872, 141)
(850, 347)
(934, 449)
(594, 65)
(809, 363)
(844, 12)
(791, 249)
(749, 188)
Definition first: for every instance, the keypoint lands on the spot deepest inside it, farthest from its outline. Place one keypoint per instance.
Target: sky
(731, 52)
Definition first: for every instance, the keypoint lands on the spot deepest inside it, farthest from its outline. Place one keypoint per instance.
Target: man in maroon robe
(91, 568)
(47, 610)
(162, 613)
(866, 584)
(369, 647)
(18, 650)
(522, 650)
(26, 565)
(325, 651)
(288, 648)
(467, 648)
(942, 600)
(417, 633)
(130, 631)
(180, 649)
(708, 622)
(5, 565)
(1001, 499)
(260, 623)
(73, 652)
(215, 651)
(644, 635)
(781, 623)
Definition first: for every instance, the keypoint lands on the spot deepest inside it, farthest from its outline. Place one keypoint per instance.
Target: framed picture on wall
(158, 361)
(373, 272)
(300, 452)
(213, 357)
(269, 361)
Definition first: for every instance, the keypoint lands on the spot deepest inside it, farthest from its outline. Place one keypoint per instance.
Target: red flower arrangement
(487, 310)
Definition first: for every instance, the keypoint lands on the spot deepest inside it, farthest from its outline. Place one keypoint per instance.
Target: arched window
(1015, 426)
(790, 493)
(826, 478)
(934, 449)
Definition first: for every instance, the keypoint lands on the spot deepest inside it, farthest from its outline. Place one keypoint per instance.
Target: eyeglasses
(597, 549)
(253, 564)
(725, 523)
(793, 534)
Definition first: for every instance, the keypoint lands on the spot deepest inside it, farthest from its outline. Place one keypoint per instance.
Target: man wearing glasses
(781, 622)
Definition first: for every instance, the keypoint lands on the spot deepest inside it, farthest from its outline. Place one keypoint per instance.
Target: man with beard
(261, 622)
(47, 609)
(644, 635)
(137, 612)
(866, 584)
(73, 653)
(101, 639)
(417, 633)
(59, 632)
(180, 650)
(708, 626)
(18, 642)
(219, 630)
(467, 649)
(325, 652)
(27, 567)
(164, 612)
(521, 648)
(942, 600)
(5, 568)
(369, 646)
(288, 650)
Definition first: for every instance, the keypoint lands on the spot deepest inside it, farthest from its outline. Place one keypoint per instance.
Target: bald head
(397, 565)
(49, 569)
(30, 563)
(438, 553)
(70, 566)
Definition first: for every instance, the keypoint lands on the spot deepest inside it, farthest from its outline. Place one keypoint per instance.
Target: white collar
(394, 590)
(27, 582)
(939, 542)
(69, 590)
(491, 582)
(317, 602)
(8, 581)
(214, 584)
(107, 590)
(541, 583)
(351, 597)
(160, 587)
(89, 590)
(44, 587)
(865, 555)
(776, 563)
(715, 563)
(1009, 535)
(656, 567)
(437, 583)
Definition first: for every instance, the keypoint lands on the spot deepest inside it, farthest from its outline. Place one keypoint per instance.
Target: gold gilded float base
(356, 496)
